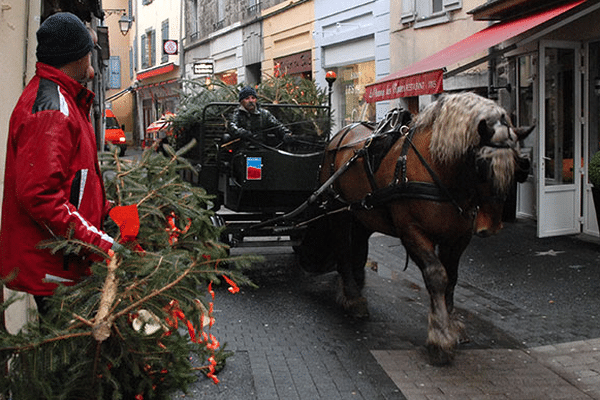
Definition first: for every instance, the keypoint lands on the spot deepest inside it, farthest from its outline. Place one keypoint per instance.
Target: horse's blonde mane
(453, 119)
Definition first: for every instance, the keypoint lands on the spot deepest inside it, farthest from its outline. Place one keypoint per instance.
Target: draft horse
(432, 184)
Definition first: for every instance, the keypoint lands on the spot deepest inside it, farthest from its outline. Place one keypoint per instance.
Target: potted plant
(594, 176)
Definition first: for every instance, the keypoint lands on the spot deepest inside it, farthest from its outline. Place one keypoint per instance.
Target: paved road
(531, 307)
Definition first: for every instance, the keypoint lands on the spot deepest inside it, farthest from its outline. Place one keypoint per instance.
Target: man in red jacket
(52, 185)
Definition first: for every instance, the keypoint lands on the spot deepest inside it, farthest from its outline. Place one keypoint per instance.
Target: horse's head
(499, 165)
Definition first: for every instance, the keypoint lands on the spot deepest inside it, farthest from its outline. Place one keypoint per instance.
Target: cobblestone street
(530, 307)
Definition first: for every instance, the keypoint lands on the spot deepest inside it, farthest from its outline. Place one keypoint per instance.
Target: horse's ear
(524, 131)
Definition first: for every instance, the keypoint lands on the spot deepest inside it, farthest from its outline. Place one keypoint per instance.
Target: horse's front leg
(449, 256)
(442, 334)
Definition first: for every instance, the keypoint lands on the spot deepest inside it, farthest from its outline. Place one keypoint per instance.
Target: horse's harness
(392, 129)
(401, 187)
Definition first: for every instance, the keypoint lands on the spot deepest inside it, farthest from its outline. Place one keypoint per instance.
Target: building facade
(304, 38)
(223, 40)
(157, 59)
(119, 97)
(538, 59)
(353, 40)
(554, 69)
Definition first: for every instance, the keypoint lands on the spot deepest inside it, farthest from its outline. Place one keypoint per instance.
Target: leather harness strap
(401, 188)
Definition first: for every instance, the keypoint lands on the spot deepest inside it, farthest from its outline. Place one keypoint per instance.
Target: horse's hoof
(358, 308)
(464, 338)
(438, 356)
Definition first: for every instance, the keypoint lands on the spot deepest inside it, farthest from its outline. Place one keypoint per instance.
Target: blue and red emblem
(254, 168)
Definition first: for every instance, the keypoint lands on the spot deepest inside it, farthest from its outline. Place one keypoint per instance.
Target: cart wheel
(315, 252)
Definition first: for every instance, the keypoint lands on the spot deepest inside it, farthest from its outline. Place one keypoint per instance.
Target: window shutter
(408, 11)
(131, 61)
(451, 5)
(165, 36)
(145, 55)
(423, 9)
(114, 68)
(152, 38)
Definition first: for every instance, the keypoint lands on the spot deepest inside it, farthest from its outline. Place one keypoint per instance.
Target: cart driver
(251, 122)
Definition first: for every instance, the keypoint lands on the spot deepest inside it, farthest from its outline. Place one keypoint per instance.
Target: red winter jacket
(52, 184)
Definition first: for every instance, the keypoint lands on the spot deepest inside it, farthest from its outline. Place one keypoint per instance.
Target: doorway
(592, 131)
(559, 163)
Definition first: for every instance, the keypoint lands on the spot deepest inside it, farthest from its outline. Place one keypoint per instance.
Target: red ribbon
(128, 220)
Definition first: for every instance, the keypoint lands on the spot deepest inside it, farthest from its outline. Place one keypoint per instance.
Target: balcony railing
(252, 10)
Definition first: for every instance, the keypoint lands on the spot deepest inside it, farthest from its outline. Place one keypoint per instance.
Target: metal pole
(330, 77)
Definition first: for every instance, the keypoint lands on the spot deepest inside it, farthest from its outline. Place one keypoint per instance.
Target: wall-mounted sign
(170, 47)
(204, 68)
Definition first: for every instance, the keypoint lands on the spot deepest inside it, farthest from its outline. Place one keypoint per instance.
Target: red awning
(164, 122)
(156, 71)
(426, 76)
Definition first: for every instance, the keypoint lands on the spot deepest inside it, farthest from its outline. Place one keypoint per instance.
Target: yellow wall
(120, 45)
(288, 32)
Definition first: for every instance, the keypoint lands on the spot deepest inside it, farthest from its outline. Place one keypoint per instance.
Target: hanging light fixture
(125, 23)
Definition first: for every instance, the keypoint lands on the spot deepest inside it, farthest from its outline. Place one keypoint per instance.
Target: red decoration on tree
(128, 220)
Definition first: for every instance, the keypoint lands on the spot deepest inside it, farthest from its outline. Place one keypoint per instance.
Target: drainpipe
(26, 44)
(492, 91)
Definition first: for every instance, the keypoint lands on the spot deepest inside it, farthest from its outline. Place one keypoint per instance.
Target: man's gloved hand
(245, 134)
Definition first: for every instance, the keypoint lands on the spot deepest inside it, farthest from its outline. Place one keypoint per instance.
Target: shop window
(354, 78)
(228, 77)
(297, 65)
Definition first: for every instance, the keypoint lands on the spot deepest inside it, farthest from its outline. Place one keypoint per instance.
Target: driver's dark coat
(260, 123)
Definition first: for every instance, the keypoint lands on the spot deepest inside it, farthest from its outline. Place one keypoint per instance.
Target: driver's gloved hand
(245, 134)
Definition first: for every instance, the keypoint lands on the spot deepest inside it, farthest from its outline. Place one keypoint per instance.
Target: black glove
(245, 134)
(288, 138)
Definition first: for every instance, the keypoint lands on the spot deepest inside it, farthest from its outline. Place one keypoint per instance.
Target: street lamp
(125, 20)
(125, 24)
(330, 77)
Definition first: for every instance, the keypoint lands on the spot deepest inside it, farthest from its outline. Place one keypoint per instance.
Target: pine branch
(32, 346)
(155, 293)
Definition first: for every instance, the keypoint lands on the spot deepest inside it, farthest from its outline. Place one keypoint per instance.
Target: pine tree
(278, 89)
(127, 331)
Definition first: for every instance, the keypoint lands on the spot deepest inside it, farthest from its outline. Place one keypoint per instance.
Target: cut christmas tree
(128, 330)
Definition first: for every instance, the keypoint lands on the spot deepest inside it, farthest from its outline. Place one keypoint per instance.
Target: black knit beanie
(247, 92)
(62, 38)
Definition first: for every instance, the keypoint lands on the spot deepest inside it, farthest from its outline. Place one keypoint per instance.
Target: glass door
(591, 133)
(559, 157)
